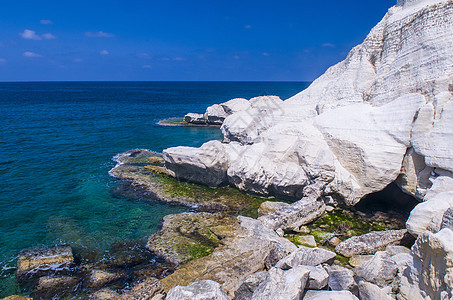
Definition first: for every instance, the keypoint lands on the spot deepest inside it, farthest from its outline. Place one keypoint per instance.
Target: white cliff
(384, 114)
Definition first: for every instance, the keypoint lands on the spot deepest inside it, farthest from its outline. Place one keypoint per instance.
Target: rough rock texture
(428, 214)
(385, 112)
(447, 219)
(380, 270)
(341, 278)
(16, 297)
(370, 291)
(318, 277)
(145, 290)
(306, 257)
(201, 290)
(49, 287)
(357, 260)
(331, 295)
(237, 257)
(369, 243)
(299, 213)
(282, 285)
(104, 294)
(99, 278)
(194, 118)
(270, 206)
(249, 285)
(183, 234)
(434, 257)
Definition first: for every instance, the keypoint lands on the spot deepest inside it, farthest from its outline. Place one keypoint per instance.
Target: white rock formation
(385, 112)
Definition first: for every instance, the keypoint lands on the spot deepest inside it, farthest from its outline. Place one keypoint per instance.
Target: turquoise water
(57, 142)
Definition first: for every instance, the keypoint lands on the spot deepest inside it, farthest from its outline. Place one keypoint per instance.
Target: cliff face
(385, 113)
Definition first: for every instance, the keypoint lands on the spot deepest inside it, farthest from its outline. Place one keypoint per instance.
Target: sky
(180, 40)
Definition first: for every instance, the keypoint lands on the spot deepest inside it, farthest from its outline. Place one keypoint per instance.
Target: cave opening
(391, 200)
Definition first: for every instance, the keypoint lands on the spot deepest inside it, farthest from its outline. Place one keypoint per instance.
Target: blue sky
(179, 40)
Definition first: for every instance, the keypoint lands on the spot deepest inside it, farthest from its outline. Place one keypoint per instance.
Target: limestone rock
(306, 257)
(341, 278)
(104, 294)
(299, 213)
(239, 256)
(282, 285)
(318, 277)
(50, 258)
(215, 114)
(369, 243)
(434, 256)
(51, 287)
(357, 260)
(307, 240)
(99, 278)
(206, 165)
(271, 206)
(16, 297)
(370, 291)
(195, 118)
(249, 285)
(447, 219)
(380, 270)
(235, 105)
(331, 295)
(201, 290)
(145, 290)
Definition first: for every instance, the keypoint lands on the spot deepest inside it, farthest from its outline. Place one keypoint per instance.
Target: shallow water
(57, 142)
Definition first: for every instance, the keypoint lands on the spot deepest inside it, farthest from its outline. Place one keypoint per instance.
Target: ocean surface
(57, 140)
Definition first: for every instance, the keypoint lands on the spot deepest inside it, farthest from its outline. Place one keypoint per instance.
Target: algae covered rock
(188, 236)
(47, 259)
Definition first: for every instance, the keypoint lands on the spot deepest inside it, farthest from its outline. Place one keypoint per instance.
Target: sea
(58, 140)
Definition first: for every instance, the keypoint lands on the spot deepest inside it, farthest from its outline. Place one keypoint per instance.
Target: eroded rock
(380, 270)
(306, 257)
(145, 290)
(201, 290)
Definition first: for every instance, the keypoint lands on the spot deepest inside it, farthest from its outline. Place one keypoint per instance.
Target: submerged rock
(369, 243)
(104, 294)
(44, 260)
(51, 287)
(201, 290)
(145, 290)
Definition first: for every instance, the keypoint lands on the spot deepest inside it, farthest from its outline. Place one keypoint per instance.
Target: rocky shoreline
(383, 116)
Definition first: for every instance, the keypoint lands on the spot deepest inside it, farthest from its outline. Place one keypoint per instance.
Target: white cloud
(99, 34)
(48, 36)
(104, 52)
(179, 58)
(143, 55)
(30, 54)
(236, 57)
(46, 22)
(265, 54)
(146, 66)
(31, 35)
(248, 26)
(329, 45)
(2, 60)
(78, 59)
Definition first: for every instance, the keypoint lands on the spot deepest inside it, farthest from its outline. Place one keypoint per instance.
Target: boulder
(304, 256)
(249, 285)
(56, 257)
(282, 285)
(104, 294)
(240, 255)
(206, 165)
(380, 270)
(341, 278)
(16, 297)
(235, 105)
(215, 114)
(370, 291)
(59, 286)
(318, 277)
(201, 290)
(331, 295)
(433, 255)
(357, 260)
(307, 240)
(193, 118)
(447, 219)
(98, 278)
(271, 206)
(145, 290)
(369, 243)
(299, 213)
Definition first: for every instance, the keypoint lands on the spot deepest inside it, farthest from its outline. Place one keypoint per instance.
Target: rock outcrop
(383, 114)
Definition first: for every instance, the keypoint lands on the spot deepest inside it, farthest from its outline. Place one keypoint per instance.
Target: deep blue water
(57, 140)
